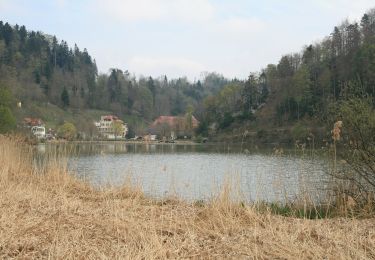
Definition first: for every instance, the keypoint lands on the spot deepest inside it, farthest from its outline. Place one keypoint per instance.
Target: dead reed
(51, 214)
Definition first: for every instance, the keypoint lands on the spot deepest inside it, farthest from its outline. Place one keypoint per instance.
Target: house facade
(111, 127)
(36, 127)
(39, 132)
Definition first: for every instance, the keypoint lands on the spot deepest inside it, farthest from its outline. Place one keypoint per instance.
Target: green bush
(6, 97)
(226, 121)
(299, 131)
(7, 120)
(261, 133)
(202, 129)
(67, 131)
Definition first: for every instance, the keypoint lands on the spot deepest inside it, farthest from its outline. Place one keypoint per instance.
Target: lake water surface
(196, 172)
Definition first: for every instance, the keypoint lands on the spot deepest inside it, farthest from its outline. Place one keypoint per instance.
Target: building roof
(32, 121)
(172, 121)
(110, 118)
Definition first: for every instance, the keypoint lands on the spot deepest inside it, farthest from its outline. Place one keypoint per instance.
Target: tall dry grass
(48, 213)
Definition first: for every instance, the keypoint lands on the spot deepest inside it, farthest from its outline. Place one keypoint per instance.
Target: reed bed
(48, 213)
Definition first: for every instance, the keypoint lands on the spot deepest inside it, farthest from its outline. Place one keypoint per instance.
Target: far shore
(178, 142)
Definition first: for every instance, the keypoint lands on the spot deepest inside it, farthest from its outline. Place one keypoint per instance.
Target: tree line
(303, 85)
(36, 68)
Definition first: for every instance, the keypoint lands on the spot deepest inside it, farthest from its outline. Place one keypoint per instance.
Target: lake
(197, 172)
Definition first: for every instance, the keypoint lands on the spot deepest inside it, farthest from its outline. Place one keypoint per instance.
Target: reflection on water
(84, 149)
(195, 171)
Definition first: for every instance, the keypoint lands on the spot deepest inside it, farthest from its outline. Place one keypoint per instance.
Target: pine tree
(65, 98)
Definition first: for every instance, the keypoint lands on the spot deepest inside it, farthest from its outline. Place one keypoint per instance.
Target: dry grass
(54, 215)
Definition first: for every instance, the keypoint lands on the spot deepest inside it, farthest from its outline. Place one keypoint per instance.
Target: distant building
(39, 132)
(174, 121)
(29, 122)
(172, 127)
(36, 127)
(111, 127)
(149, 137)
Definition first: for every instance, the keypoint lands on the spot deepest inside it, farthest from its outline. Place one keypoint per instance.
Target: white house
(111, 127)
(39, 132)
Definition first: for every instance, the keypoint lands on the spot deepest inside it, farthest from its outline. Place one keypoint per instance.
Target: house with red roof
(29, 122)
(171, 127)
(36, 126)
(173, 121)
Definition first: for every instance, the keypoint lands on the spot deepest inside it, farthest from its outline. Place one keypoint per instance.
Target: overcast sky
(185, 37)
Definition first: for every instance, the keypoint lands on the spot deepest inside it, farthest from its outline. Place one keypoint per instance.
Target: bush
(246, 115)
(67, 131)
(7, 120)
(261, 133)
(202, 128)
(6, 97)
(299, 131)
(226, 121)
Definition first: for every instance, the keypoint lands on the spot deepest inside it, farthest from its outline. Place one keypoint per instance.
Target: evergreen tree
(65, 98)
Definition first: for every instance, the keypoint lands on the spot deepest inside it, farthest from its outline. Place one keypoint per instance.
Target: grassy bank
(47, 213)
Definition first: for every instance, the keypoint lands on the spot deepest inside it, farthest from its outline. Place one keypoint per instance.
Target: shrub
(202, 128)
(7, 120)
(226, 121)
(299, 131)
(67, 131)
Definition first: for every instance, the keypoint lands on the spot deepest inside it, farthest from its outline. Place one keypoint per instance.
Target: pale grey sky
(185, 37)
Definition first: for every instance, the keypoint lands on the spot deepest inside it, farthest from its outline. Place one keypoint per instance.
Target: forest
(46, 74)
(304, 87)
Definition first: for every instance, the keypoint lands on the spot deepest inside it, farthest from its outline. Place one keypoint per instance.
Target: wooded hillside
(47, 75)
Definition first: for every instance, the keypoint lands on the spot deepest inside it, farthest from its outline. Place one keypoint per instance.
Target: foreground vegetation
(47, 213)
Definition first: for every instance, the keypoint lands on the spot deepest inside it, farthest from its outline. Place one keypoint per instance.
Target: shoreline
(177, 142)
(121, 142)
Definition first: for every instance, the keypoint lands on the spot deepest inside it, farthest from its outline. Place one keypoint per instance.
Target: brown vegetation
(48, 213)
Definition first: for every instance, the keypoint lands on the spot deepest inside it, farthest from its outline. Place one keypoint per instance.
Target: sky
(185, 37)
